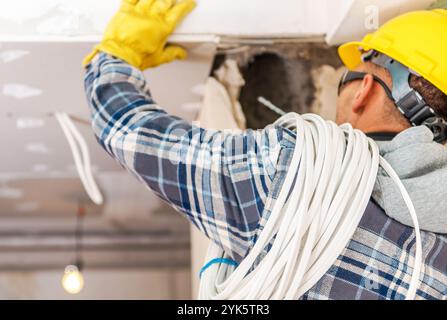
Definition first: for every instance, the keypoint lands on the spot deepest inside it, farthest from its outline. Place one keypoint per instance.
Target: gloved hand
(139, 31)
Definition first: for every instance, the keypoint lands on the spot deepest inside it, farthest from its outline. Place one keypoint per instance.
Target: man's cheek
(341, 115)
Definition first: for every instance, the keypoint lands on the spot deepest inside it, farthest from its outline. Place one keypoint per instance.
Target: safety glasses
(350, 76)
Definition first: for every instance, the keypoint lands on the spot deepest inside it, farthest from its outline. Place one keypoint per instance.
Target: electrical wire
(324, 195)
(81, 156)
(271, 106)
(78, 236)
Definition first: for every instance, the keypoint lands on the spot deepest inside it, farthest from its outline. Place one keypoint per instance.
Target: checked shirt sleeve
(219, 181)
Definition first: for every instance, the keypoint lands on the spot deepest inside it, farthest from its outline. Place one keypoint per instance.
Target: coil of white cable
(312, 219)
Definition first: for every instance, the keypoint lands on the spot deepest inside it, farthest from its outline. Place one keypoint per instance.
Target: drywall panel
(86, 18)
(356, 18)
(258, 18)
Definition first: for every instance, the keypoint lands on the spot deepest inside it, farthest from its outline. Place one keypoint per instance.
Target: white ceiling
(49, 78)
(37, 173)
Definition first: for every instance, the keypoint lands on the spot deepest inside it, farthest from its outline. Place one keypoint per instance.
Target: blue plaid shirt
(226, 185)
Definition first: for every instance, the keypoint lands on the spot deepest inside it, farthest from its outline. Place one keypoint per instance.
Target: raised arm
(218, 180)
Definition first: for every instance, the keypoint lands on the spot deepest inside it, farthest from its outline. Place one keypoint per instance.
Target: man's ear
(363, 94)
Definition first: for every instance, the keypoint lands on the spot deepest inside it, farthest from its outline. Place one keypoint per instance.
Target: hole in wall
(283, 74)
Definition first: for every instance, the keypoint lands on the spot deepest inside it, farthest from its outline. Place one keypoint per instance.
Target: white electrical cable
(312, 220)
(271, 106)
(83, 163)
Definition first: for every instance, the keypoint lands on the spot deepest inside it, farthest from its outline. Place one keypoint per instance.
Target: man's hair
(434, 97)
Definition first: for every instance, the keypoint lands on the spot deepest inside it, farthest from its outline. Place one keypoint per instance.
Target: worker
(225, 184)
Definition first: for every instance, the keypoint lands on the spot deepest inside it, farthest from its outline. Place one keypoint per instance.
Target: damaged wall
(295, 77)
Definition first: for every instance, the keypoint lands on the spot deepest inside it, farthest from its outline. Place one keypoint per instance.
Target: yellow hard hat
(416, 39)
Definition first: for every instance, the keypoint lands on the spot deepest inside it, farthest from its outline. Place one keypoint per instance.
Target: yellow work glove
(139, 31)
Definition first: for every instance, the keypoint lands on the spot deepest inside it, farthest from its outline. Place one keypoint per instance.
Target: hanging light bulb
(72, 280)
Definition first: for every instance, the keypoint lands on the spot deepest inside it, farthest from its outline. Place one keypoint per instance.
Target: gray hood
(421, 164)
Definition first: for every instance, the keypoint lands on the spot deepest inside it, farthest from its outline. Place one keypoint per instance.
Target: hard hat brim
(350, 54)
